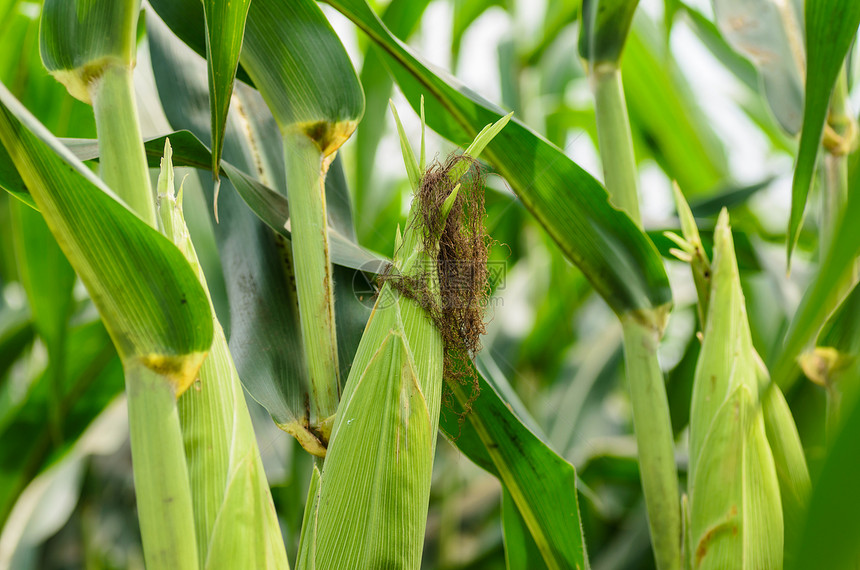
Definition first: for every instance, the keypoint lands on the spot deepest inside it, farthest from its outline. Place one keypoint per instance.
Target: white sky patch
(478, 65)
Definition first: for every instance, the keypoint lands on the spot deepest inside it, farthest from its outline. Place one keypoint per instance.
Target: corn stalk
(90, 48)
(605, 27)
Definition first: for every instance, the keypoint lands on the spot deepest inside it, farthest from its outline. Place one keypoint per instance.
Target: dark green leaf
(541, 484)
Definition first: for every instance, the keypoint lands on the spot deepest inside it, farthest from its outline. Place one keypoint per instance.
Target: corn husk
(375, 484)
(736, 518)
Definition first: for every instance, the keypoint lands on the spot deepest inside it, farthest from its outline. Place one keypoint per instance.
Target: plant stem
(122, 160)
(308, 225)
(654, 440)
(158, 458)
(615, 140)
(651, 420)
(834, 177)
(160, 477)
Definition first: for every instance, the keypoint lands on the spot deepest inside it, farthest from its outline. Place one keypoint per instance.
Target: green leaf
(225, 27)
(307, 541)
(413, 170)
(830, 28)
(147, 295)
(79, 40)
(401, 17)
(685, 143)
(16, 334)
(541, 483)
(520, 550)
(824, 292)
(710, 35)
(789, 460)
(465, 14)
(48, 280)
(302, 70)
(605, 24)
(617, 258)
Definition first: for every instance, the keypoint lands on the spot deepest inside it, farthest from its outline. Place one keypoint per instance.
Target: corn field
(450, 284)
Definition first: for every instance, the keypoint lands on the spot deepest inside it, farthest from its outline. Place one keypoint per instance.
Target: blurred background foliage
(698, 117)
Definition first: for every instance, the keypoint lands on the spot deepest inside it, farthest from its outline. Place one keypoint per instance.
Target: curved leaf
(824, 293)
(605, 24)
(144, 289)
(770, 34)
(91, 379)
(619, 260)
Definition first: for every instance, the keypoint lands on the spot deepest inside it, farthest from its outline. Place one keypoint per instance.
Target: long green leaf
(225, 27)
(686, 145)
(605, 24)
(520, 549)
(770, 34)
(401, 17)
(618, 260)
(48, 280)
(74, 43)
(541, 483)
(830, 28)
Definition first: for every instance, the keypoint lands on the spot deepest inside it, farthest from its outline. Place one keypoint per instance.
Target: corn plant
(207, 255)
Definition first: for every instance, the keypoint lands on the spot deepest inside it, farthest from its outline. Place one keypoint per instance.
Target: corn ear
(783, 438)
(375, 483)
(792, 472)
(234, 517)
(735, 507)
(736, 519)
